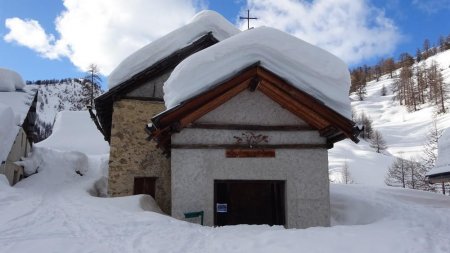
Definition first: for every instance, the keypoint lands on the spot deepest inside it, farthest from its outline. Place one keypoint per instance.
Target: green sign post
(195, 215)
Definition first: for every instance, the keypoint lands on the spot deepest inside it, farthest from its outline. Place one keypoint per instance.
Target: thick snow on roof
(14, 107)
(75, 131)
(201, 24)
(307, 67)
(443, 160)
(8, 130)
(19, 101)
(10, 80)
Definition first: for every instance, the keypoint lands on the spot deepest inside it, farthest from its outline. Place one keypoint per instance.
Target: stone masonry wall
(132, 155)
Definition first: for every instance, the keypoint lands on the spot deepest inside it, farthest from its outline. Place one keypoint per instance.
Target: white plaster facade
(304, 170)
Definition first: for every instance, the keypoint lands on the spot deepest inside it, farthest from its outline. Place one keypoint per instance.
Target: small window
(144, 185)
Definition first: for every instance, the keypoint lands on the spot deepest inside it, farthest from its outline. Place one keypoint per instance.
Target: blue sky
(359, 31)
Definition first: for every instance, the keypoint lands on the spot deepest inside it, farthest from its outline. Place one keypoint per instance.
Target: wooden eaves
(330, 124)
(438, 178)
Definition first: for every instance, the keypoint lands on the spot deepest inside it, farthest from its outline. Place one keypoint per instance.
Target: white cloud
(102, 31)
(29, 33)
(354, 30)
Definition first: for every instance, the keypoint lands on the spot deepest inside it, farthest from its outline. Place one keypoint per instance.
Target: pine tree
(366, 123)
(426, 49)
(438, 89)
(383, 90)
(91, 85)
(378, 142)
(358, 85)
(389, 66)
(407, 174)
(431, 146)
(346, 177)
(397, 173)
(418, 55)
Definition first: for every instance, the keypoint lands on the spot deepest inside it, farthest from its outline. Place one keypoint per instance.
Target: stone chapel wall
(132, 155)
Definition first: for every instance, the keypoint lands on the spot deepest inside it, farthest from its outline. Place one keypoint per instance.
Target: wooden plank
(216, 102)
(249, 153)
(202, 99)
(293, 105)
(235, 146)
(250, 127)
(328, 131)
(329, 114)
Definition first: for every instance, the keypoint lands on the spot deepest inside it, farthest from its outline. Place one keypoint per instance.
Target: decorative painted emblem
(251, 139)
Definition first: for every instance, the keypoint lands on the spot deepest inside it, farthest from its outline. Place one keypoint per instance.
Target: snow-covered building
(17, 117)
(441, 172)
(244, 121)
(136, 94)
(247, 127)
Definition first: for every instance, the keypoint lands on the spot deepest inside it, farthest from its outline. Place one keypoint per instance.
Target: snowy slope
(60, 95)
(404, 132)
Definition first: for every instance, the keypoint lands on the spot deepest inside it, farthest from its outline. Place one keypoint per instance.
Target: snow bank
(203, 23)
(8, 130)
(365, 166)
(75, 131)
(10, 80)
(4, 183)
(31, 163)
(443, 160)
(309, 68)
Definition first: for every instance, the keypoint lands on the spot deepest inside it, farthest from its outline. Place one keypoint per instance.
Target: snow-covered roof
(201, 24)
(14, 107)
(443, 160)
(10, 80)
(307, 67)
(73, 131)
(8, 131)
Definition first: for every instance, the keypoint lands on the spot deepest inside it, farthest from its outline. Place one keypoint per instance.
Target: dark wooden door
(144, 185)
(249, 202)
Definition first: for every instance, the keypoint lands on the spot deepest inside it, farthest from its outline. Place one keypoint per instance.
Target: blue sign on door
(221, 208)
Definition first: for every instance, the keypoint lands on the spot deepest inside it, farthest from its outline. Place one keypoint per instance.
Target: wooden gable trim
(292, 105)
(329, 123)
(314, 105)
(214, 103)
(175, 114)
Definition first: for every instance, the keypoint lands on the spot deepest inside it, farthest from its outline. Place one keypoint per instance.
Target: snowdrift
(75, 131)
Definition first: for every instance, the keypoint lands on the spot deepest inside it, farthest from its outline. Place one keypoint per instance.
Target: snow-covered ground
(404, 132)
(56, 210)
(53, 211)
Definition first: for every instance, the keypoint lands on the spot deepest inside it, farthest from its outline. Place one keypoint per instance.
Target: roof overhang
(330, 124)
(104, 103)
(439, 178)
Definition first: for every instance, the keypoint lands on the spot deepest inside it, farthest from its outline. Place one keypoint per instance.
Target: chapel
(232, 125)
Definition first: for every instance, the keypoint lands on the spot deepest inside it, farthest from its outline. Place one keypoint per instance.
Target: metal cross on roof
(248, 19)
